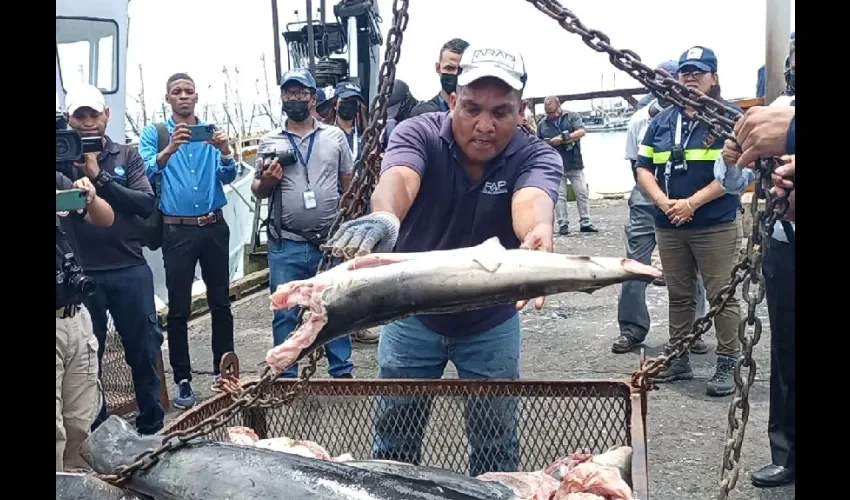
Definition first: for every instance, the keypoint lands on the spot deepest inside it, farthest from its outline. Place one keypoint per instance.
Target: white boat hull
(239, 217)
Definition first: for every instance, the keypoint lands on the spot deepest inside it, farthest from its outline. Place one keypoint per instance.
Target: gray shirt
(329, 160)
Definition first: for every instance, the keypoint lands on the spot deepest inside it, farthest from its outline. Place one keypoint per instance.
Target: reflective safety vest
(673, 151)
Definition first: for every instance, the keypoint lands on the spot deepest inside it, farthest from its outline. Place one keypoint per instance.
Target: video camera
(70, 146)
(286, 157)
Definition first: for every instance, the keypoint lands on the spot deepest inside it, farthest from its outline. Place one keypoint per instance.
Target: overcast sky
(235, 33)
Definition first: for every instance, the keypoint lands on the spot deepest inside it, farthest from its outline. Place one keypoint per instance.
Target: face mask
(448, 82)
(348, 109)
(297, 111)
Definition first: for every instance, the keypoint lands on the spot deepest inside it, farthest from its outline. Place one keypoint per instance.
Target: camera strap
(304, 160)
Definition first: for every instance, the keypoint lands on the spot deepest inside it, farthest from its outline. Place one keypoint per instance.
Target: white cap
(84, 96)
(484, 61)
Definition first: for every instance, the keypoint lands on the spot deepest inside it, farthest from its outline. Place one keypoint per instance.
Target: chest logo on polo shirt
(495, 187)
(119, 171)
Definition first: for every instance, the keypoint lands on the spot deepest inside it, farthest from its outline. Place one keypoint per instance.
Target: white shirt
(638, 124)
(778, 230)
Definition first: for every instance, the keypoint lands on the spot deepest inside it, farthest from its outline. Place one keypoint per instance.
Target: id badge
(309, 200)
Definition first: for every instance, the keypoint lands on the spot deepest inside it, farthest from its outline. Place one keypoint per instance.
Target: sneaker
(185, 398)
(589, 229)
(366, 336)
(564, 230)
(623, 344)
(216, 383)
(723, 381)
(678, 369)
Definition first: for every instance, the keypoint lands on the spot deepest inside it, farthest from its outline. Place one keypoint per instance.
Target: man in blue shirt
(447, 67)
(192, 175)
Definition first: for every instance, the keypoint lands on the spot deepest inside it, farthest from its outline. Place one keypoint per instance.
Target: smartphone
(70, 199)
(201, 133)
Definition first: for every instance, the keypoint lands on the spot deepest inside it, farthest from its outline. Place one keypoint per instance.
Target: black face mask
(449, 82)
(348, 109)
(297, 111)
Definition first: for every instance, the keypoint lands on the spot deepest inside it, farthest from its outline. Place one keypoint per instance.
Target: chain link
(352, 205)
(721, 121)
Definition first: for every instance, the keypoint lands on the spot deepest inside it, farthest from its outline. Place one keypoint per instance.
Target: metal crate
(117, 379)
(555, 418)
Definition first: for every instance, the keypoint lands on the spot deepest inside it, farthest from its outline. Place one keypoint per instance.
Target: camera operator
(300, 168)
(113, 256)
(77, 393)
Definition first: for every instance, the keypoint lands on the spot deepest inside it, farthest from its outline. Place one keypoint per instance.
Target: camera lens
(62, 146)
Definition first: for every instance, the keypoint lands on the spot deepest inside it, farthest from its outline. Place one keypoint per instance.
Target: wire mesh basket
(551, 420)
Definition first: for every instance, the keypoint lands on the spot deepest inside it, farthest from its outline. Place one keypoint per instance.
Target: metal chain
(719, 117)
(352, 205)
(720, 120)
(749, 330)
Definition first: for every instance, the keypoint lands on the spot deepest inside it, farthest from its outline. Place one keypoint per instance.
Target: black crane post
(276, 28)
(311, 50)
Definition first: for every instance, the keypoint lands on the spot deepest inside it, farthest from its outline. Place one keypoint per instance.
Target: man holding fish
(449, 180)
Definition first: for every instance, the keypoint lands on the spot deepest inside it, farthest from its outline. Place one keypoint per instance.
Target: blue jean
(632, 314)
(409, 350)
(128, 296)
(298, 260)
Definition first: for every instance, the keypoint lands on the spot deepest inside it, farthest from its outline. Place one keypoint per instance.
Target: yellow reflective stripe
(702, 154)
(645, 150)
(690, 155)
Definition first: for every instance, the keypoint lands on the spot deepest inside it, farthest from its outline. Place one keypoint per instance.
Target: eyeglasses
(696, 73)
(301, 95)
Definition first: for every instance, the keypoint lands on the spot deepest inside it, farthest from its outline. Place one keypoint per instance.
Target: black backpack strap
(162, 139)
(161, 136)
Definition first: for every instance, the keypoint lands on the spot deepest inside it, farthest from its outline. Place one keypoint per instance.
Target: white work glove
(376, 232)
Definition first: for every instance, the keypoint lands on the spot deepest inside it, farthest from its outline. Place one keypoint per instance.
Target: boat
(91, 46)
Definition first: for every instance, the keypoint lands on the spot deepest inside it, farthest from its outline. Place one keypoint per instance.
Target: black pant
(128, 296)
(778, 272)
(182, 248)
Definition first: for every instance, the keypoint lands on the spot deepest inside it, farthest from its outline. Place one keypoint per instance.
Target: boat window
(88, 52)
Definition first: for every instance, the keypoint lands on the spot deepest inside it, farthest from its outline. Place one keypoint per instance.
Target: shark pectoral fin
(489, 255)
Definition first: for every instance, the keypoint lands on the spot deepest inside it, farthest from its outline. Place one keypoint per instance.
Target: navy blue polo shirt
(654, 153)
(451, 212)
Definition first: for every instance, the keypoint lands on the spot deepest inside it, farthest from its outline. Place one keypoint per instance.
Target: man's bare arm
(396, 190)
(532, 209)
(345, 180)
(99, 213)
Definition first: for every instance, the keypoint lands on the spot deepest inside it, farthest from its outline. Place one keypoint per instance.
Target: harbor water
(606, 169)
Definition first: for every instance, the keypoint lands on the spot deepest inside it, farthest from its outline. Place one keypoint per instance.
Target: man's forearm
(395, 192)
(578, 134)
(100, 213)
(127, 200)
(345, 180)
(261, 189)
(532, 207)
(162, 159)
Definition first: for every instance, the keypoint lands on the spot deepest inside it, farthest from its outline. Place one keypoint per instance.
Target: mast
(778, 14)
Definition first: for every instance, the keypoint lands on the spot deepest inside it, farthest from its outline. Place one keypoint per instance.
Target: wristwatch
(102, 178)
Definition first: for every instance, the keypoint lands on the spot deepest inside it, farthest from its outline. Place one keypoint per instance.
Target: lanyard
(680, 144)
(301, 158)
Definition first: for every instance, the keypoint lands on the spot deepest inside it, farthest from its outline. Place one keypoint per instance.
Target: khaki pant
(576, 178)
(77, 387)
(714, 251)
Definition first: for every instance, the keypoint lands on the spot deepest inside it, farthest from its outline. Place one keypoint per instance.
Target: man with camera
(113, 256)
(301, 168)
(77, 392)
(190, 165)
